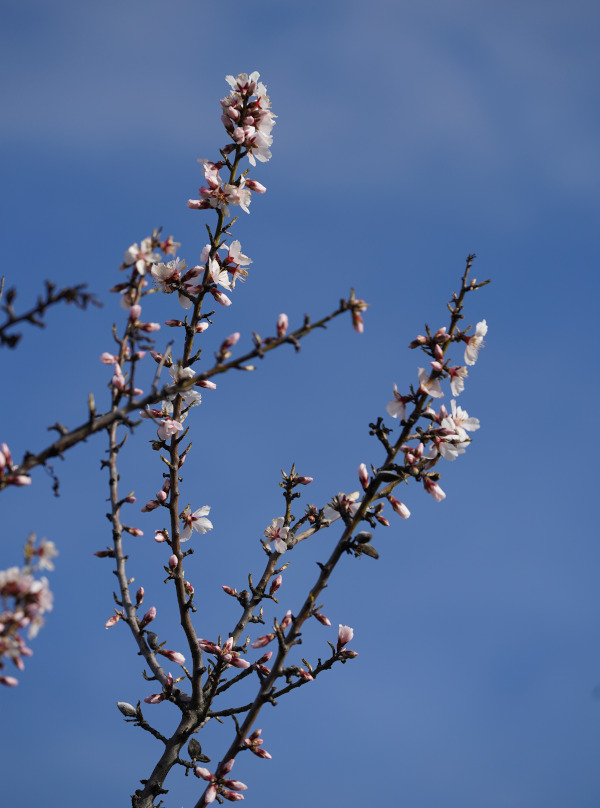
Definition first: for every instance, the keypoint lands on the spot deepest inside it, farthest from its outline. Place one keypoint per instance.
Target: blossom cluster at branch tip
(225, 652)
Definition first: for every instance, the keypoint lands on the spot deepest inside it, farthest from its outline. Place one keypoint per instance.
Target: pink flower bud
(108, 358)
(135, 311)
(130, 499)
(198, 204)
(229, 591)
(226, 767)
(433, 488)
(139, 596)
(282, 325)
(286, 620)
(255, 186)
(174, 323)
(262, 641)
(150, 328)
(420, 340)
(275, 584)
(159, 536)
(231, 340)
(363, 476)
(201, 327)
(174, 656)
(206, 384)
(112, 620)
(151, 505)
(9, 681)
(155, 698)
(200, 771)
(264, 658)
(399, 507)
(162, 496)
(148, 617)
(173, 562)
(20, 480)
(220, 297)
(305, 675)
(325, 621)
(133, 531)
(304, 480)
(188, 588)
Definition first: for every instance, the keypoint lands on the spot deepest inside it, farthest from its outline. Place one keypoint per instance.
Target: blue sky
(409, 134)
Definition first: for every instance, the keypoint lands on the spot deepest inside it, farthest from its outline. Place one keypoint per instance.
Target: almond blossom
(140, 256)
(475, 343)
(429, 385)
(460, 422)
(277, 532)
(397, 406)
(195, 521)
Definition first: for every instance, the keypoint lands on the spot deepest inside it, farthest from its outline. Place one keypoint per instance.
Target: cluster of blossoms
(448, 435)
(24, 599)
(7, 476)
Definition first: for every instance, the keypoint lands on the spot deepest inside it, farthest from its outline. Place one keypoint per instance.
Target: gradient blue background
(409, 134)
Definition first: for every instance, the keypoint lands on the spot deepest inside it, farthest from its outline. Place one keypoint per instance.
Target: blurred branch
(70, 294)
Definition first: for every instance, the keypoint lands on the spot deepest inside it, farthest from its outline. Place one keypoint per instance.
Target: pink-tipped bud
(363, 476)
(275, 584)
(229, 591)
(130, 499)
(382, 520)
(173, 562)
(282, 325)
(105, 553)
(304, 480)
(113, 620)
(438, 352)
(189, 589)
(325, 621)
(201, 327)
(151, 505)
(305, 675)
(134, 312)
(150, 328)
(226, 767)
(20, 480)
(148, 617)
(255, 186)
(108, 358)
(221, 298)
(162, 496)
(287, 620)
(174, 324)
(206, 384)
(133, 531)
(159, 536)
(174, 656)
(231, 340)
(9, 681)
(264, 658)
(139, 596)
(420, 340)
(399, 507)
(262, 641)
(198, 204)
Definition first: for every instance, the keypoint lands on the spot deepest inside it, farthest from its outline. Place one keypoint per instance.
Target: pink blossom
(345, 634)
(277, 532)
(168, 427)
